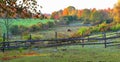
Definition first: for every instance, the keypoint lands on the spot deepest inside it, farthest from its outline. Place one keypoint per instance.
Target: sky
(48, 6)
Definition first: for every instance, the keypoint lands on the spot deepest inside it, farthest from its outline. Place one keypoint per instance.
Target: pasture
(25, 22)
(30, 22)
(73, 53)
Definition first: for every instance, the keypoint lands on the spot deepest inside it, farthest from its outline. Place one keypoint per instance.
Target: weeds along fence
(101, 38)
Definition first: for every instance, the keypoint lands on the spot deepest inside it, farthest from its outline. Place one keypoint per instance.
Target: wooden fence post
(3, 37)
(3, 44)
(56, 38)
(104, 37)
(30, 37)
(83, 42)
(88, 38)
(55, 35)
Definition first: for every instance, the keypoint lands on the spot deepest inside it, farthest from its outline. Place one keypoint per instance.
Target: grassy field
(30, 22)
(93, 53)
(26, 22)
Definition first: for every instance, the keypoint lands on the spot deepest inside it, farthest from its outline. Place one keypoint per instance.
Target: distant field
(29, 22)
(26, 22)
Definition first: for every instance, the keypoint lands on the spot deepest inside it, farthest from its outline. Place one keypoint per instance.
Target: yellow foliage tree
(116, 12)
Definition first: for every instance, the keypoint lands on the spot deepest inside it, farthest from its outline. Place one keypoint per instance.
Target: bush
(82, 31)
(14, 30)
(18, 29)
(26, 37)
(34, 37)
(34, 28)
(103, 27)
(115, 27)
(51, 24)
(37, 37)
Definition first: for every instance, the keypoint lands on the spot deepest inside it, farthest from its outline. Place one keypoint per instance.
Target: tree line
(91, 16)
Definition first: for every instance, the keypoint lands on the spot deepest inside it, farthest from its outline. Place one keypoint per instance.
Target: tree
(79, 14)
(86, 15)
(55, 15)
(65, 12)
(116, 12)
(95, 16)
(30, 5)
(71, 11)
(11, 9)
(7, 11)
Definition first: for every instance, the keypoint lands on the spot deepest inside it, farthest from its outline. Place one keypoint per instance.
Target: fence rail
(59, 42)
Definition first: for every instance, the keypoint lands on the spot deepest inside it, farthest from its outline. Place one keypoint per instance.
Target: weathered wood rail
(60, 42)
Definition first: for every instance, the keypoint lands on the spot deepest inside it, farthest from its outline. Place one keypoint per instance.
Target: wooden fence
(64, 41)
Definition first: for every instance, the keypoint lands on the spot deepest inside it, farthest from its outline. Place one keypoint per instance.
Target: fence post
(83, 42)
(104, 37)
(3, 47)
(56, 38)
(3, 44)
(88, 38)
(30, 38)
(3, 37)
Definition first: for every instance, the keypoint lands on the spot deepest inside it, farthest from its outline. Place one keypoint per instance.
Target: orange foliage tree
(117, 12)
(65, 12)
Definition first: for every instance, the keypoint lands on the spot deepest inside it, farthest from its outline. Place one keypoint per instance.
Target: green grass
(26, 22)
(93, 53)
(30, 22)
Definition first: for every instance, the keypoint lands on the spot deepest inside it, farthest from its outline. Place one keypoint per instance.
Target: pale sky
(55, 5)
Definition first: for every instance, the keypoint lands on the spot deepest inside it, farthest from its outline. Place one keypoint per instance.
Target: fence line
(58, 42)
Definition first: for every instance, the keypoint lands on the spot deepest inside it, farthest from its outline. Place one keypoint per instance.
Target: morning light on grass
(59, 30)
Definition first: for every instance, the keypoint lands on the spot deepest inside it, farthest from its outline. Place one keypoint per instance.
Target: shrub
(34, 28)
(26, 37)
(34, 37)
(14, 29)
(18, 29)
(37, 37)
(118, 27)
(51, 24)
(82, 31)
(103, 27)
(94, 29)
(115, 27)
(45, 26)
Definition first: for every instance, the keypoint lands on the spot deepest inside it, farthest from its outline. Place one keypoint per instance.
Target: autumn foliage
(117, 12)
(87, 16)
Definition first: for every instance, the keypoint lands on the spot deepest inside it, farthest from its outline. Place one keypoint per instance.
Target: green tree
(95, 17)
(86, 15)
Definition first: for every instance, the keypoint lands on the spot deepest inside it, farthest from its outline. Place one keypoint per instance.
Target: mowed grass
(93, 53)
(30, 22)
(25, 22)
